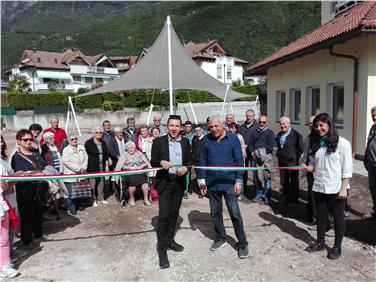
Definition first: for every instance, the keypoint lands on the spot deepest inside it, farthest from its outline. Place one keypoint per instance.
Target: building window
(76, 78)
(314, 101)
(229, 74)
(295, 106)
(89, 80)
(219, 72)
(338, 100)
(99, 80)
(281, 104)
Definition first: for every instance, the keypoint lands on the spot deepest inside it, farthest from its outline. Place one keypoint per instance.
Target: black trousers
(311, 209)
(169, 205)
(290, 183)
(326, 204)
(31, 213)
(372, 186)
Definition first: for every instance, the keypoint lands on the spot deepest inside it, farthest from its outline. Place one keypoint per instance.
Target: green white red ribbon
(132, 172)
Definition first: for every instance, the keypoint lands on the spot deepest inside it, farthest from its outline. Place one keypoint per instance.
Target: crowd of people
(325, 157)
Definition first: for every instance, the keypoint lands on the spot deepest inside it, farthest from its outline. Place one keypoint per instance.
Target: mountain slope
(250, 30)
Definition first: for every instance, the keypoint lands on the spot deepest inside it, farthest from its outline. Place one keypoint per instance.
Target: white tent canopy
(164, 65)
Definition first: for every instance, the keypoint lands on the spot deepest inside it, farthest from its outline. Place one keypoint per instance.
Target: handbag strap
(27, 159)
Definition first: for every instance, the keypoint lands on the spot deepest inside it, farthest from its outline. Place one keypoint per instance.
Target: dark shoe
(315, 247)
(175, 246)
(266, 201)
(200, 196)
(334, 253)
(185, 195)
(81, 208)
(217, 245)
(163, 260)
(243, 252)
(43, 238)
(72, 213)
(371, 217)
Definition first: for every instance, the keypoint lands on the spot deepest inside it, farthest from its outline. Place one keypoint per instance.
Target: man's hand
(342, 194)
(237, 189)
(166, 165)
(203, 189)
(181, 171)
(307, 168)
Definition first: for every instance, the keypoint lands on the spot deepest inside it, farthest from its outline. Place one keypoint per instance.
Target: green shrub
(22, 101)
(247, 89)
(89, 102)
(112, 106)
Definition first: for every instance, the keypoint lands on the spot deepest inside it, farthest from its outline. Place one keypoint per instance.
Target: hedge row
(141, 98)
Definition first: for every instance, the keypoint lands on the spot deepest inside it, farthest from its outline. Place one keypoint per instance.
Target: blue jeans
(69, 201)
(215, 199)
(263, 192)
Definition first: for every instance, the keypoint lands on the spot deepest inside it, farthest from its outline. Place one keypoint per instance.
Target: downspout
(355, 93)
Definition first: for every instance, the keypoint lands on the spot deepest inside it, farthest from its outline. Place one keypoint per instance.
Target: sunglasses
(262, 122)
(27, 139)
(73, 139)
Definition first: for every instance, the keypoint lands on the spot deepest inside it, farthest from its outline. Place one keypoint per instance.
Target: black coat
(93, 154)
(292, 149)
(160, 152)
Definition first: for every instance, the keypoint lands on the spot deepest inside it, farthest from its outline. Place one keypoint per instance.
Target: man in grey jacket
(370, 165)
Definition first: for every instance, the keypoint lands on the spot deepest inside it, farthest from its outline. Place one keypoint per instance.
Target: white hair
(129, 144)
(118, 129)
(54, 117)
(94, 129)
(373, 109)
(216, 117)
(284, 119)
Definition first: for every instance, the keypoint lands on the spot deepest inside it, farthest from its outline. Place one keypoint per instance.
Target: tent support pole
(193, 113)
(74, 115)
(169, 65)
(67, 122)
(224, 100)
(149, 115)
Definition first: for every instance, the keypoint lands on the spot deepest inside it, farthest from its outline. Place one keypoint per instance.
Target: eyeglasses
(27, 139)
(262, 122)
(73, 139)
(156, 120)
(99, 132)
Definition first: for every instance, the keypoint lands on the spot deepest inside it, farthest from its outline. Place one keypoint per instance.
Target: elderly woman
(28, 193)
(97, 152)
(50, 152)
(134, 159)
(331, 164)
(144, 141)
(75, 161)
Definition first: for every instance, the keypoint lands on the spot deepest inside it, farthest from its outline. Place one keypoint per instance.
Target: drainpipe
(355, 93)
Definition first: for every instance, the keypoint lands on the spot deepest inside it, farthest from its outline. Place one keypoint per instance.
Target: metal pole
(149, 115)
(193, 113)
(224, 100)
(74, 115)
(169, 64)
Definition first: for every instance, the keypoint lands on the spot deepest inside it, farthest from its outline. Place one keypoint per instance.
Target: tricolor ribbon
(132, 172)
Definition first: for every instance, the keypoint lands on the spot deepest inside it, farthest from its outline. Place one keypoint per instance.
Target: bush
(112, 106)
(22, 101)
(89, 102)
(247, 89)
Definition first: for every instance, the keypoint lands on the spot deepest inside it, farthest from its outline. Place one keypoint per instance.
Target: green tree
(18, 83)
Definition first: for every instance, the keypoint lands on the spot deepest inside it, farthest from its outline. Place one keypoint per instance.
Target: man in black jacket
(173, 154)
(289, 149)
(370, 164)
(245, 130)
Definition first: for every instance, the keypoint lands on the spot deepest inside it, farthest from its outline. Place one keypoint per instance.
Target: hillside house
(66, 71)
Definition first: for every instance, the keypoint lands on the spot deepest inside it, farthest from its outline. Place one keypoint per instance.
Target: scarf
(323, 141)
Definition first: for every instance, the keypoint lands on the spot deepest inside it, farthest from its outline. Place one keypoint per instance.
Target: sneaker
(18, 253)
(185, 195)
(44, 237)
(7, 271)
(239, 198)
(72, 213)
(103, 202)
(243, 252)
(95, 204)
(257, 199)
(217, 245)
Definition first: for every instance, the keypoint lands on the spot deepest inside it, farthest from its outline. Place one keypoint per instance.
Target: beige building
(331, 69)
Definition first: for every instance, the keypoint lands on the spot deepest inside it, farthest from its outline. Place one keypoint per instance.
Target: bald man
(222, 148)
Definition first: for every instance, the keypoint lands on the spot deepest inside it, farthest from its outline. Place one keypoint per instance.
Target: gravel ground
(113, 243)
